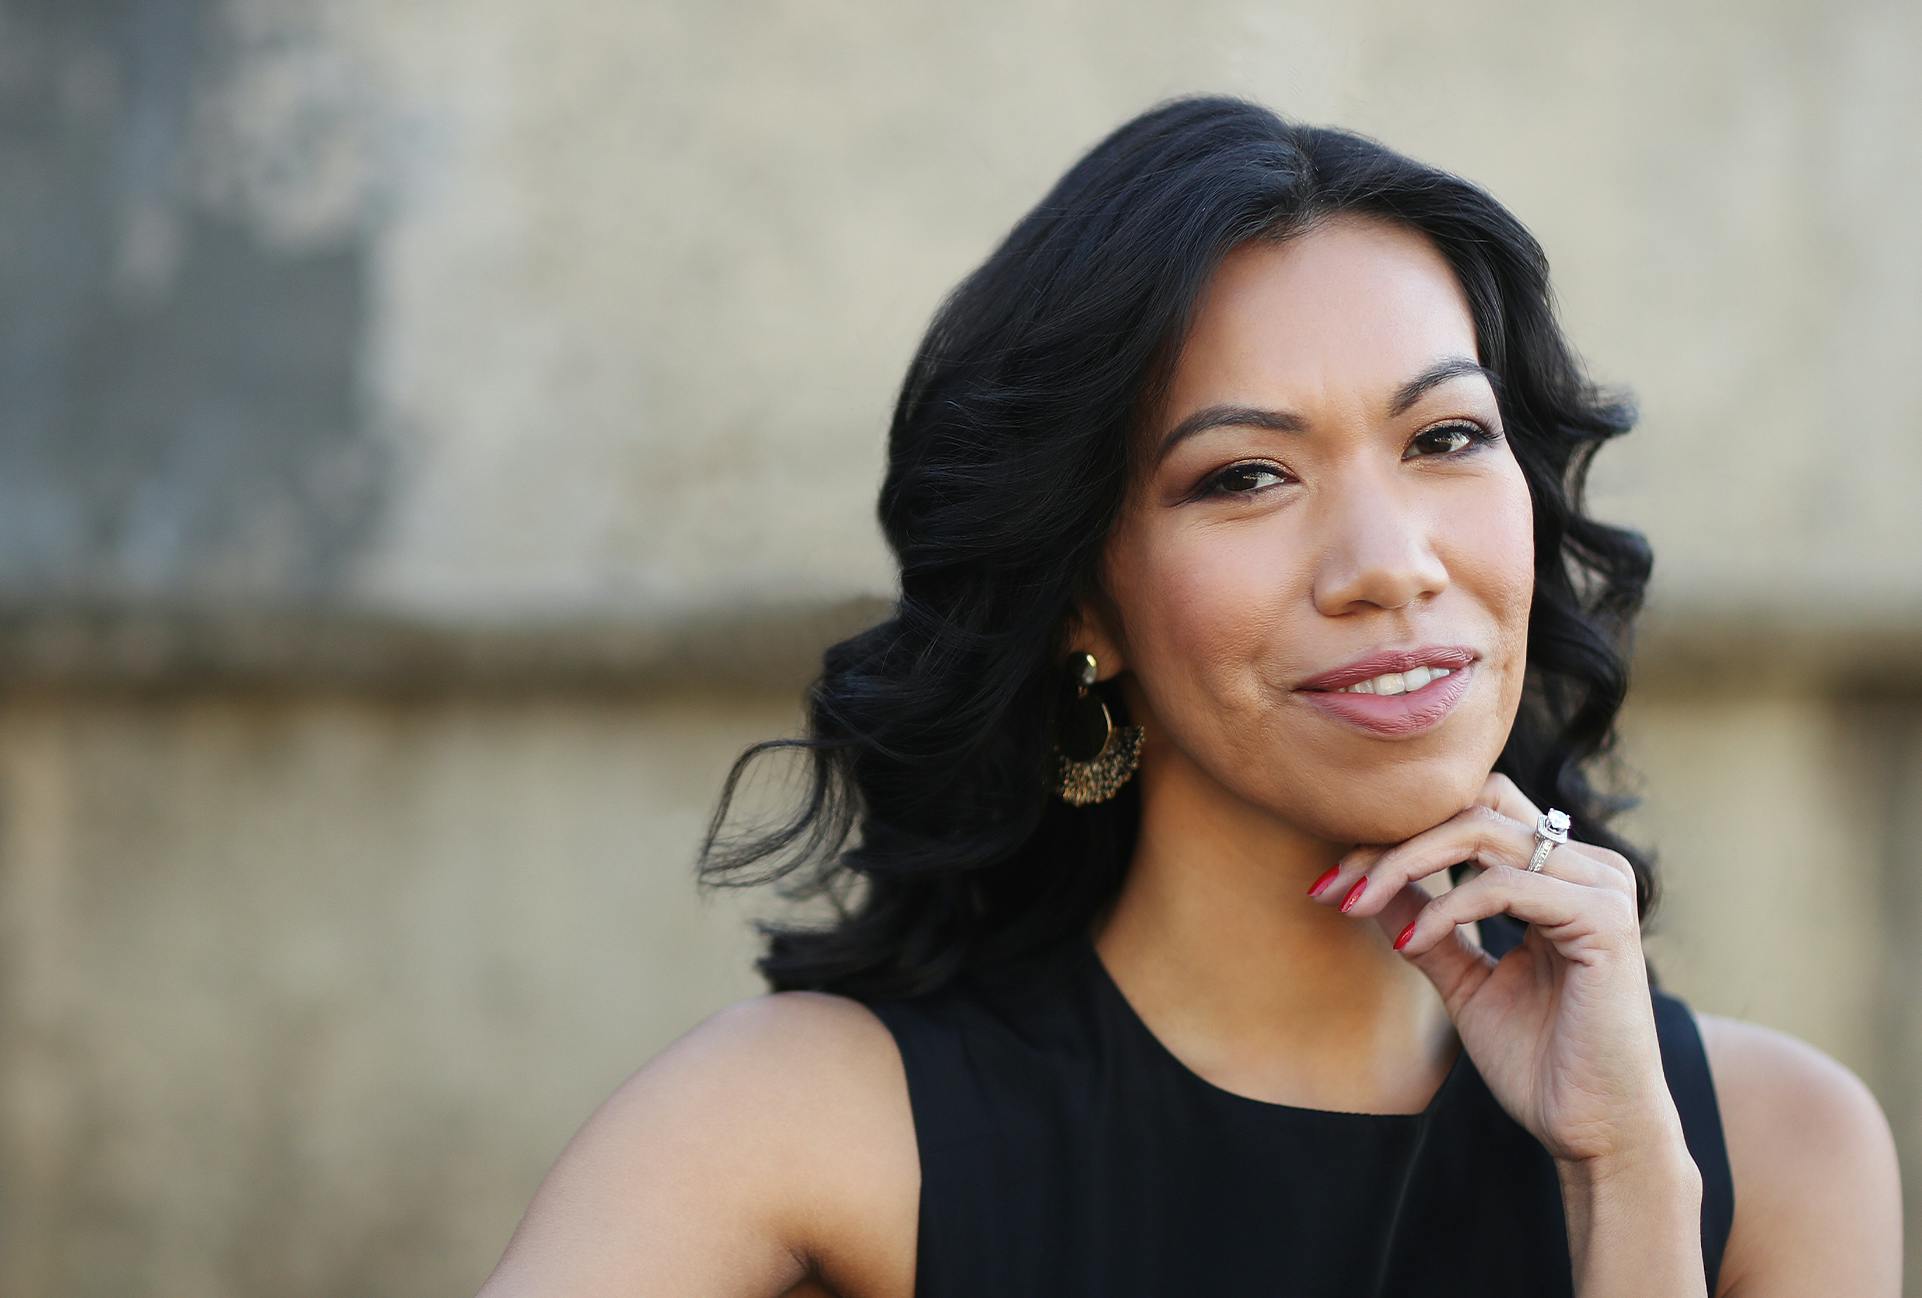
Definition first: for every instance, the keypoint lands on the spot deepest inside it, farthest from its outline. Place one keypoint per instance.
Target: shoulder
(1817, 1193)
(828, 1038)
(771, 1138)
(821, 1079)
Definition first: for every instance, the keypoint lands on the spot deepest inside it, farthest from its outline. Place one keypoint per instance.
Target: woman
(1231, 910)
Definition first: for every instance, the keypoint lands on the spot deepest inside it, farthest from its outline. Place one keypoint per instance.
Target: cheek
(1502, 558)
(1213, 602)
(1518, 543)
(1501, 547)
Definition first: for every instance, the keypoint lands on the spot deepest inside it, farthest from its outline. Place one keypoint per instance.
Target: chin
(1393, 827)
(1393, 817)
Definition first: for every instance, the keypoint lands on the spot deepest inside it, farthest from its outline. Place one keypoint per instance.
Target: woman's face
(1249, 558)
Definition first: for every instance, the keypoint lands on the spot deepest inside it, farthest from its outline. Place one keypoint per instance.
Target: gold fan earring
(1096, 756)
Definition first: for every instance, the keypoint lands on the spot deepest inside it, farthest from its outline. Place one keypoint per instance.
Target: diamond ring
(1551, 829)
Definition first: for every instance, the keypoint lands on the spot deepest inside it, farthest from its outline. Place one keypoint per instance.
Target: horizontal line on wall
(1876, 649)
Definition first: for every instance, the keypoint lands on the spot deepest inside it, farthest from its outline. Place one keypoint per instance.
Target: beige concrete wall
(304, 990)
(444, 433)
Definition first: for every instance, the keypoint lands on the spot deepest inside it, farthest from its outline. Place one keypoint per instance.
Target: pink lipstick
(1395, 716)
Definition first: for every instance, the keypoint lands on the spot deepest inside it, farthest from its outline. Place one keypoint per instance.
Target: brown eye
(1226, 482)
(1459, 438)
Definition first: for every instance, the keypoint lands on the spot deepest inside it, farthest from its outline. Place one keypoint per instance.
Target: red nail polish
(1406, 933)
(1355, 892)
(1324, 881)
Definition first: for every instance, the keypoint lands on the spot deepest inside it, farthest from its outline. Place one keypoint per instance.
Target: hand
(1562, 1029)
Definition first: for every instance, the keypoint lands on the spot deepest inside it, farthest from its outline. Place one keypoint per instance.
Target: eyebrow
(1285, 421)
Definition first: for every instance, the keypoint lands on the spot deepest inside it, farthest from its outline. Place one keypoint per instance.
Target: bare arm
(1636, 1228)
(723, 1168)
(1818, 1195)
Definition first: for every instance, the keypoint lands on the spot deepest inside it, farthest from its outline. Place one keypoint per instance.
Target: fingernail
(1324, 881)
(1406, 933)
(1355, 892)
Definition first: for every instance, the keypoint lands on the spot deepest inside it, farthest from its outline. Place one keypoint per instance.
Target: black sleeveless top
(1066, 1151)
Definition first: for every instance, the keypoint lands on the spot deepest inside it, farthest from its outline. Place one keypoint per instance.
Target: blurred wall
(438, 436)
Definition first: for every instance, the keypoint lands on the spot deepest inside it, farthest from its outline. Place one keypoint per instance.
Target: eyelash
(1478, 436)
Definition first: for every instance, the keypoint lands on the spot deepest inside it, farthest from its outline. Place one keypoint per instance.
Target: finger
(1455, 961)
(1498, 793)
(1585, 924)
(1504, 795)
(1477, 834)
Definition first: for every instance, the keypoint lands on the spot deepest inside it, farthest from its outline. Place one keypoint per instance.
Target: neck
(1257, 987)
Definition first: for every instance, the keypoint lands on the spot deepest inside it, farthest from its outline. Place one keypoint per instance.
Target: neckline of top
(1110, 990)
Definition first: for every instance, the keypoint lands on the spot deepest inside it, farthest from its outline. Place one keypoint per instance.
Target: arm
(727, 1166)
(1635, 1226)
(1818, 1196)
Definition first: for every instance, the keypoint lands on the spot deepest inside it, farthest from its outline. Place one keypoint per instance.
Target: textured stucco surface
(494, 311)
(438, 436)
(303, 992)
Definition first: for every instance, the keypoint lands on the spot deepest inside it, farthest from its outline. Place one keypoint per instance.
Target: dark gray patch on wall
(194, 434)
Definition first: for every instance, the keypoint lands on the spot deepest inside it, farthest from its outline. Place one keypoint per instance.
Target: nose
(1376, 547)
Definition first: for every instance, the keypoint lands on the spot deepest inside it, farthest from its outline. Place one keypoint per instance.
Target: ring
(1550, 830)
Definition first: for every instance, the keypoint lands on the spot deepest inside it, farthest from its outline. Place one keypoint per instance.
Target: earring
(1096, 756)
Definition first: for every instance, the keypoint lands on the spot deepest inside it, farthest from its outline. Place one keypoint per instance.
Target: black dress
(1066, 1151)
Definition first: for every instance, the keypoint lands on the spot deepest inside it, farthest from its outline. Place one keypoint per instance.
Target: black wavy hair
(929, 825)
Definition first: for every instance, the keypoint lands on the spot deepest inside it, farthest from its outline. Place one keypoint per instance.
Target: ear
(1090, 628)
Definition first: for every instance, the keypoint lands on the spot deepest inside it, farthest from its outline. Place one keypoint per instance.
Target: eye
(1222, 484)
(1456, 439)
(1461, 437)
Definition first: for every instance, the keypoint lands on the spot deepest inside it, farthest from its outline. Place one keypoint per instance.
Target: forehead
(1333, 319)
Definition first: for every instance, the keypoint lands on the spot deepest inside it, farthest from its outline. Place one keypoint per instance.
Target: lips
(1451, 656)
(1396, 716)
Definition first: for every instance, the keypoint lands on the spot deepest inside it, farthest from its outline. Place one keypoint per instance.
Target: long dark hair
(929, 826)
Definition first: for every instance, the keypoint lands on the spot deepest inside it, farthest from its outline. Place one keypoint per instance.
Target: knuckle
(1483, 814)
(1500, 784)
(1630, 888)
(1627, 914)
(1617, 872)
(1489, 827)
(1502, 876)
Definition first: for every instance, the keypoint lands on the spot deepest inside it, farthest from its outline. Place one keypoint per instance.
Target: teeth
(1396, 682)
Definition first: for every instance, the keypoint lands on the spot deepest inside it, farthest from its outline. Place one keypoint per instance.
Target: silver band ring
(1550, 830)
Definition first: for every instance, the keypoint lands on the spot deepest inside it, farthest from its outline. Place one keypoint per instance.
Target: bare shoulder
(1818, 1200)
(827, 1069)
(769, 1149)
